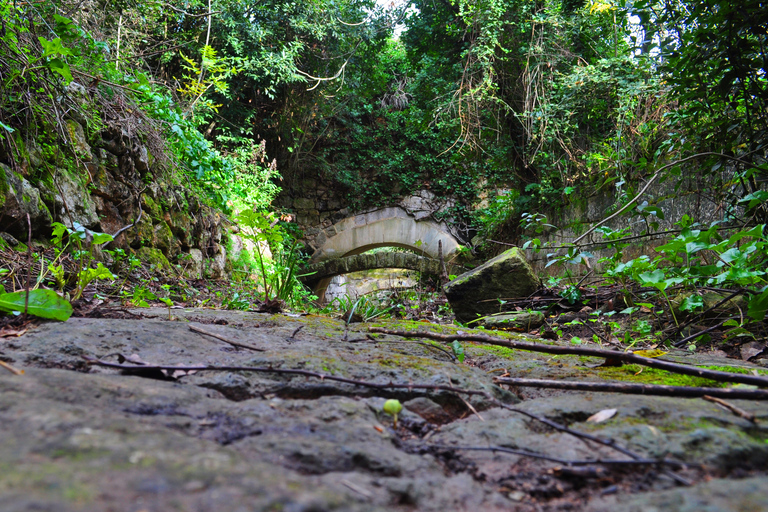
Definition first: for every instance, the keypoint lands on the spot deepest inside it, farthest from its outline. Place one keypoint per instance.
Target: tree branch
(638, 389)
(626, 357)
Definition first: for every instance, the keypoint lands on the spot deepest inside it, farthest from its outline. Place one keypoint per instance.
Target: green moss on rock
(154, 256)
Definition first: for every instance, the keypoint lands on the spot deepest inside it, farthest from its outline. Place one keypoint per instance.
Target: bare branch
(627, 357)
(631, 388)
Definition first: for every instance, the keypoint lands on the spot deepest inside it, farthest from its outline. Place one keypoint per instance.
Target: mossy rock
(164, 240)
(155, 257)
(475, 293)
(524, 320)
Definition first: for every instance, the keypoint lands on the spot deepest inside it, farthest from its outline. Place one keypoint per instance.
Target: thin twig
(735, 410)
(701, 315)
(225, 340)
(11, 369)
(471, 408)
(627, 357)
(680, 343)
(29, 265)
(631, 388)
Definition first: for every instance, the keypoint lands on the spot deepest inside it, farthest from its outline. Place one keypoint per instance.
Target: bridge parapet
(393, 227)
(321, 273)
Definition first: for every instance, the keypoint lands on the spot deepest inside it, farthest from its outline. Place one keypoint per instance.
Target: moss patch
(154, 256)
(644, 375)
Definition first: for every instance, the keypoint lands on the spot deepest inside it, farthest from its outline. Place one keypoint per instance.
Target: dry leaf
(751, 349)
(649, 353)
(8, 333)
(602, 416)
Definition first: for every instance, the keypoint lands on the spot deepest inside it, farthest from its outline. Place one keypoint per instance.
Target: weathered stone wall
(695, 198)
(318, 208)
(113, 182)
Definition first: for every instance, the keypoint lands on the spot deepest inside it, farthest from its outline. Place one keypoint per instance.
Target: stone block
(518, 320)
(472, 294)
(20, 199)
(302, 203)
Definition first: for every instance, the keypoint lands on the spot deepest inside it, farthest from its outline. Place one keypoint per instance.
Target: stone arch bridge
(339, 249)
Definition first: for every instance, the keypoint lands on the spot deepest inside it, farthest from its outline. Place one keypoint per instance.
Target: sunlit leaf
(42, 303)
(650, 353)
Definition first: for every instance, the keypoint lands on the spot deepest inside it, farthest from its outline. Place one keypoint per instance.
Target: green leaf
(392, 407)
(458, 350)
(652, 278)
(53, 47)
(758, 305)
(692, 303)
(42, 303)
(59, 66)
(102, 238)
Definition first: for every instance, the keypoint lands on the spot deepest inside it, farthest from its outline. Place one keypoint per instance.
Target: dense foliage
(500, 108)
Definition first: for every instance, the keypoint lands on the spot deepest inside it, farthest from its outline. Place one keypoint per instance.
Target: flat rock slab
(81, 437)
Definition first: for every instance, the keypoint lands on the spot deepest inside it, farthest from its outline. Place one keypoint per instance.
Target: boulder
(520, 320)
(18, 197)
(72, 202)
(474, 294)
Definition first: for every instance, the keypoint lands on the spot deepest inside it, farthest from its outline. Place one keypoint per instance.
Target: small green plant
(236, 302)
(167, 300)
(83, 241)
(278, 275)
(139, 296)
(393, 408)
(39, 302)
(458, 350)
(365, 308)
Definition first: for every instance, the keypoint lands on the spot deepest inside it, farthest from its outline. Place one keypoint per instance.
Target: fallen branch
(225, 340)
(627, 357)
(638, 389)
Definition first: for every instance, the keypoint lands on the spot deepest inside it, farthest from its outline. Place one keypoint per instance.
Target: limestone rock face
(19, 198)
(73, 203)
(472, 294)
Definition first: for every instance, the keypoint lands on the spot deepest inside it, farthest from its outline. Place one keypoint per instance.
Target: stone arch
(388, 227)
(341, 244)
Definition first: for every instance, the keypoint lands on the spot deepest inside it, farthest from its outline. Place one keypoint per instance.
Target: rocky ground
(79, 436)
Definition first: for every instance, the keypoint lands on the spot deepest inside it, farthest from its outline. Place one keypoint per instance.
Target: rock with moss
(21, 198)
(79, 140)
(475, 294)
(72, 201)
(165, 241)
(518, 320)
(192, 264)
(155, 257)
(216, 266)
